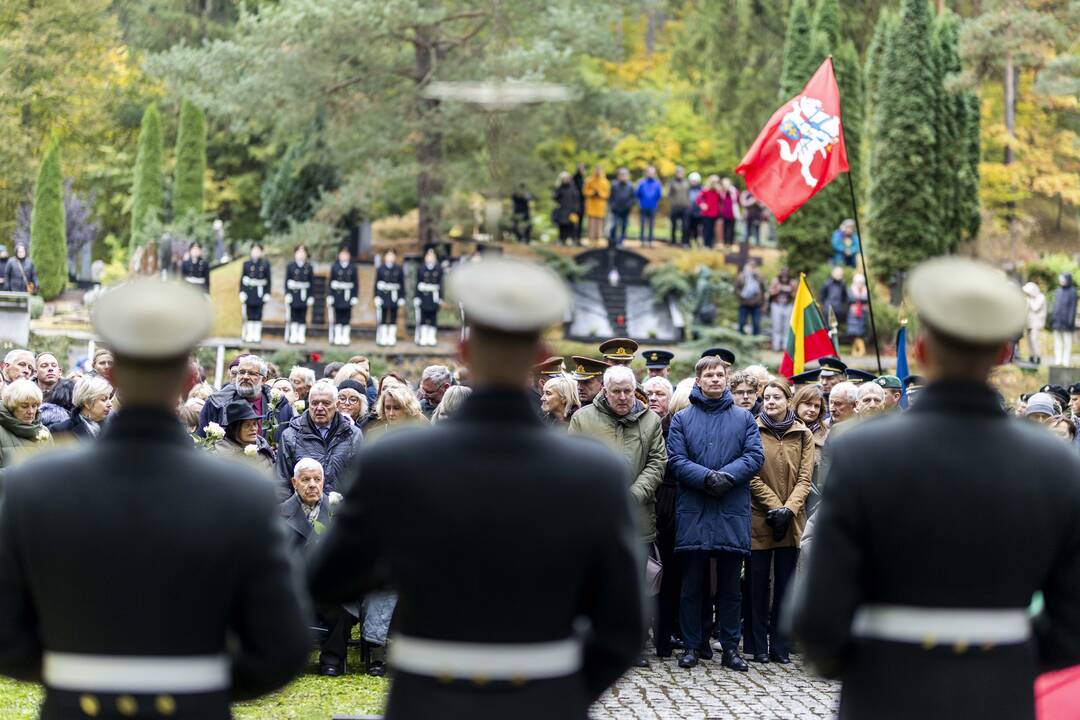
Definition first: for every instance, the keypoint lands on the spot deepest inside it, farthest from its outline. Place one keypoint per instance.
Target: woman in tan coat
(777, 517)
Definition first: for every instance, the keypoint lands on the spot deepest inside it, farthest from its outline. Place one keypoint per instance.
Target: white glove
(416, 303)
(329, 300)
(378, 302)
(401, 302)
(288, 298)
(243, 297)
(310, 301)
(353, 300)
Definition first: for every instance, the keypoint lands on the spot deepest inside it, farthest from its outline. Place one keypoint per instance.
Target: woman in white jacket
(1036, 319)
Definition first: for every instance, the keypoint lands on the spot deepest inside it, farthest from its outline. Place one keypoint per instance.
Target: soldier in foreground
(923, 568)
(513, 602)
(138, 576)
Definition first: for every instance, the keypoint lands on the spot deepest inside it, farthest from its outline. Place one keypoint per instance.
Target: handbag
(654, 571)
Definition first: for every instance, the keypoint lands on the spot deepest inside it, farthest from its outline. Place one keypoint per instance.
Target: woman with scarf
(92, 399)
(777, 508)
(21, 430)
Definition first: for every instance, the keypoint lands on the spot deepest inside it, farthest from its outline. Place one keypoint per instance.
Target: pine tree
(147, 186)
(968, 178)
(799, 60)
(826, 28)
(904, 208)
(48, 241)
(190, 162)
(875, 53)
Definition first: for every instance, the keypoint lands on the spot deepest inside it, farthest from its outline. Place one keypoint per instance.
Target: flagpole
(866, 270)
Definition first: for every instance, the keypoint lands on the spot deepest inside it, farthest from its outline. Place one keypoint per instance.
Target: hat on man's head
(1043, 403)
(831, 366)
(860, 376)
(1058, 393)
(239, 411)
(152, 319)
(510, 296)
(967, 301)
(586, 368)
(723, 353)
(889, 382)
(806, 378)
(914, 382)
(657, 359)
(552, 367)
(619, 350)
(1074, 389)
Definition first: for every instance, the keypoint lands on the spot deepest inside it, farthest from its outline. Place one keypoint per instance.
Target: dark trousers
(298, 314)
(753, 314)
(695, 606)
(337, 622)
(667, 602)
(569, 232)
(429, 317)
(388, 314)
(708, 231)
(343, 315)
(693, 226)
(679, 218)
(729, 231)
(761, 604)
(522, 228)
(617, 233)
(646, 219)
(254, 312)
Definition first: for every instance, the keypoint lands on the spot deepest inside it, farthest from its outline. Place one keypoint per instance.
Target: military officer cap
(152, 319)
(620, 350)
(889, 382)
(967, 301)
(586, 368)
(831, 366)
(914, 382)
(860, 376)
(806, 378)
(658, 359)
(724, 354)
(510, 296)
(1074, 389)
(552, 367)
(1058, 392)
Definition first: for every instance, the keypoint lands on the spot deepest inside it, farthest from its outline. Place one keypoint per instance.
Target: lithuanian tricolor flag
(808, 339)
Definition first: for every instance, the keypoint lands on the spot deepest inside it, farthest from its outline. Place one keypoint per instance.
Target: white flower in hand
(43, 435)
(335, 498)
(213, 431)
(251, 450)
(299, 406)
(275, 396)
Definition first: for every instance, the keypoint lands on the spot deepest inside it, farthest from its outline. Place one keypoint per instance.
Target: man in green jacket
(634, 432)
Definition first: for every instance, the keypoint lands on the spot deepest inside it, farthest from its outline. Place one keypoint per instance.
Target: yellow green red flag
(808, 338)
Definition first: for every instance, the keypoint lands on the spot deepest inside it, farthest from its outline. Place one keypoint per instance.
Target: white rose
(299, 406)
(275, 396)
(213, 431)
(335, 498)
(43, 435)
(251, 450)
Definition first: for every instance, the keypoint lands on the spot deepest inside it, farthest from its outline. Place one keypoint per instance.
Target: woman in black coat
(567, 208)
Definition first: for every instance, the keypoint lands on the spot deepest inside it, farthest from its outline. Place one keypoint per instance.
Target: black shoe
(377, 668)
(330, 670)
(760, 658)
(689, 659)
(706, 653)
(780, 659)
(663, 651)
(732, 659)
(641, 662)
(677, 643)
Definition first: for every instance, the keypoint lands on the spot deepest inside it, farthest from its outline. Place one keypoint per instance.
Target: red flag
(800, 150)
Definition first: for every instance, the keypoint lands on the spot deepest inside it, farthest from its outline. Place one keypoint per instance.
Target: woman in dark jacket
(58, 405)
(567, 208)
(20, 275)
(92, 401)
(243, 442)
(1063, 319)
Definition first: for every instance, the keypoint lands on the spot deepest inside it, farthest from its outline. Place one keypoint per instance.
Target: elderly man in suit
(307, 514)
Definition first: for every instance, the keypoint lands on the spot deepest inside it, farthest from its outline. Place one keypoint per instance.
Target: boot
(432, 338)
(301, 334)
(391, 335)
(289, 333)
(336, 335)
(256, 332)
(379, 335)
(346, 331)
(732, 659)
(244, 329)
(689, 659)
(418, 335)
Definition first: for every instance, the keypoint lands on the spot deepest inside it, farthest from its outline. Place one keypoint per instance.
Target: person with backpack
(751, 294)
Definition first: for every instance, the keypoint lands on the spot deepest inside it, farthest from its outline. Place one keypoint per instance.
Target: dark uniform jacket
(344, 285)
(977, 511)
(197, 273)
(140, 545)
(471, 548)
(429, 287)
(390, 284)
(298, 283)
(255, 281)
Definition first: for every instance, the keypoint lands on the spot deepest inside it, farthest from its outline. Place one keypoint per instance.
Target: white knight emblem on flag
(811, 131)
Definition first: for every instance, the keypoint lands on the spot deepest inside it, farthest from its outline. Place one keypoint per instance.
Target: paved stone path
(711, 692)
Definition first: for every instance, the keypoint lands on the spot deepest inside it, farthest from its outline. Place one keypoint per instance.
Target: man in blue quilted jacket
(713, 451)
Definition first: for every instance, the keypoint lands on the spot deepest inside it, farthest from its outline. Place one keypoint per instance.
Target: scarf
(814, 427)
(92, 426)
(778, 428)
(311, 512)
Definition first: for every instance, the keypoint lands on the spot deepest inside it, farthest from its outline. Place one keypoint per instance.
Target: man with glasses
(434, 383)
(249, 385)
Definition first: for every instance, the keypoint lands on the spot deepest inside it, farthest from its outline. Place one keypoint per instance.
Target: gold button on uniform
(481, 680)
(126, 706)
(928, 642)
(89, 705)
(165, 704)
(961, 646)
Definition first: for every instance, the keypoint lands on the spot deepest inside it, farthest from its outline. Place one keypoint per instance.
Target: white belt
(252, 282)
(137, 673)
(480, 661)
(340, 285)
(297, 285)
(427, 287)
(937, 626)
(196, 280)
(387, 286)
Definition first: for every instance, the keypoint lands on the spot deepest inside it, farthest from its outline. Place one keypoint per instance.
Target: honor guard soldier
(494, 596)
(344, 286)
(542, 372)
(726, 356)
(619, 351)
(389, 296)
(923, 568)
(298, 299)
(658, 362)
(195, 270)
(254, 289)
(589, 374)
(428, 299)
(140, 577)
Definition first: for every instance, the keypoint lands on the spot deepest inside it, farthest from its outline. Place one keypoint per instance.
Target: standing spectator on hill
(20, 275)
(1036, 319)
(708, 205)
(729, 209)
(752, 212)
(579, 184)
(678, 194)
(597, 192)
(566, 213)
(781, 301)
(751, 292)
(693, 215)
(834, 295)
(620, 204)
(648, 192)
(858, 297)
(1063, 319)
(845, 244)
(521, 215)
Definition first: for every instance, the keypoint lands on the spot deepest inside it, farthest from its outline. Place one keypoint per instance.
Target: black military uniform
(427, 301)
(140, 577)
(493, 577)
(922, 568)
(389, 296)
(344, 286)
(298, 298)
(254, 290)
(196, 272)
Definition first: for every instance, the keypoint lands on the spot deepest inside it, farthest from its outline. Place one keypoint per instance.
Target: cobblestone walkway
(711, 692)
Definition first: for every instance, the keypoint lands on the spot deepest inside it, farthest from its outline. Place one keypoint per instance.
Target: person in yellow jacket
(597, 190)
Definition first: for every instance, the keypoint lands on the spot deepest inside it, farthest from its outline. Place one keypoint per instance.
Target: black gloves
(779, 520)
(717, 483)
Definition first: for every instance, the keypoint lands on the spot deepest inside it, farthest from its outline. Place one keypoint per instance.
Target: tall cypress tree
(799, 60)
(190, 162)
(826, 28)
(875, 53)
(968, 178)
(48, 238)
(147, 187)
(904, 208)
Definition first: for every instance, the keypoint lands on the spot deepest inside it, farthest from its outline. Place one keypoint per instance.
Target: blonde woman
(396, 407)
(559, 401)
(351, 371)
(20, 420)
(92, 398)
(451, 402)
